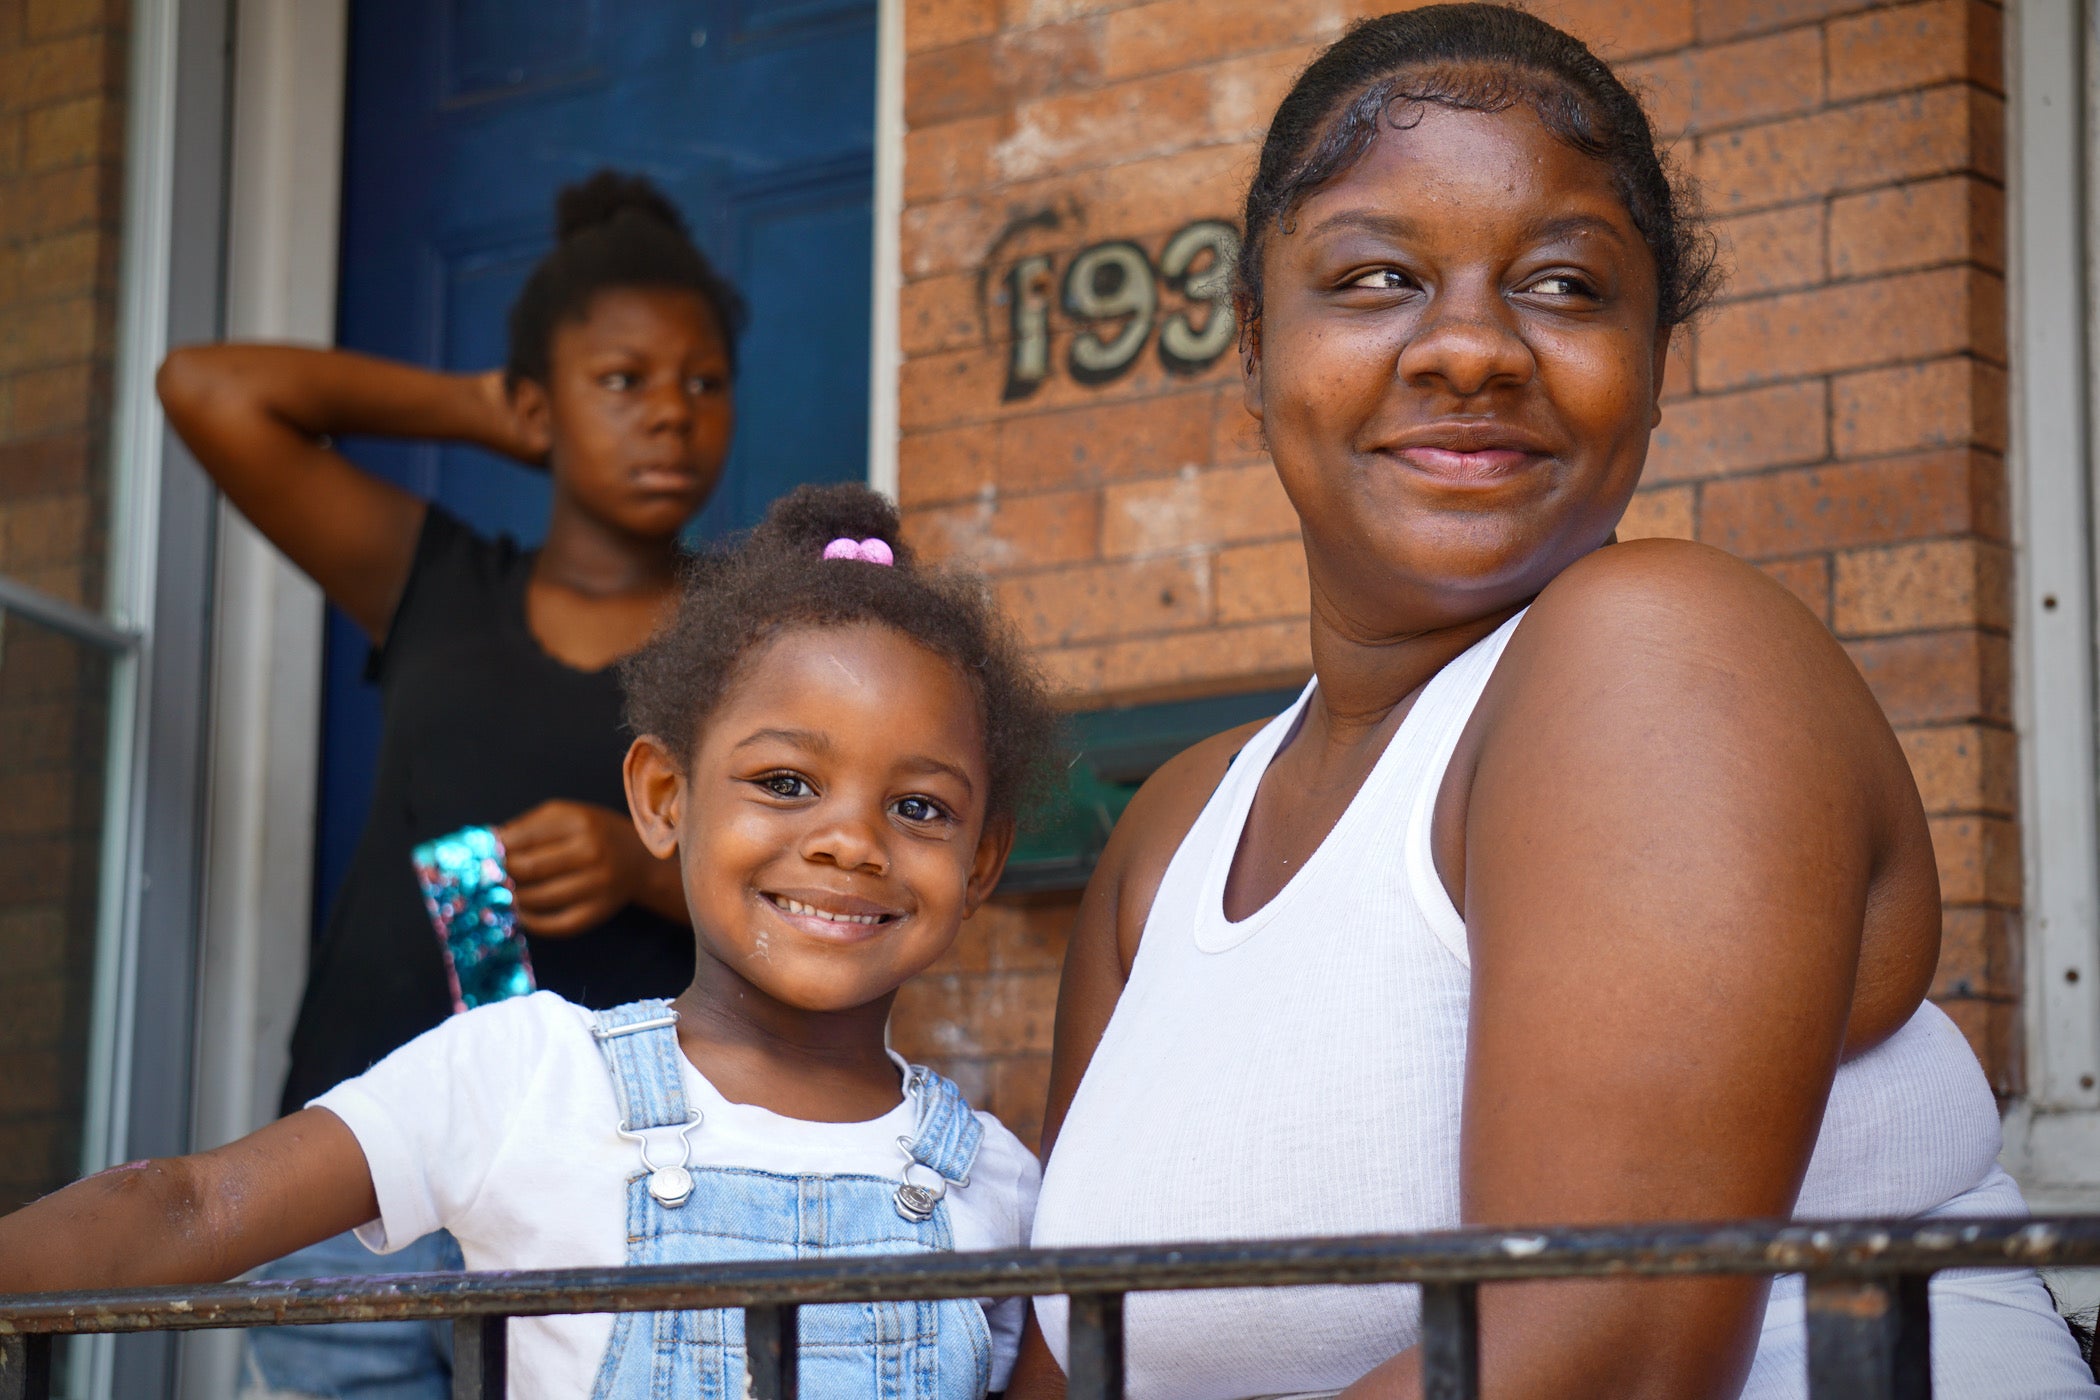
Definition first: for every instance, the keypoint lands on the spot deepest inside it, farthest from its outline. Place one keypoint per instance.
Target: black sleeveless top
(480, 725)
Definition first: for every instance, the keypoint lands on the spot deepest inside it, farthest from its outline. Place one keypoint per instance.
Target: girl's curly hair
(735, 599)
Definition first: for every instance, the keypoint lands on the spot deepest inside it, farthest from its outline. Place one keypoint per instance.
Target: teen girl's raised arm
(196, 1219)
(258, 417)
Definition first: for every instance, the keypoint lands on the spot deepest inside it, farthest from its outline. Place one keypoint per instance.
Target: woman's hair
(737, 599)
(1477, 58)
(611, 231)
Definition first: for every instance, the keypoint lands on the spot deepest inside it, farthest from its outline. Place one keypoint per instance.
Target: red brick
(1174, 667)
(54, 201)
(1807, 578)
(1245, 92)
(1021, 14)
(1912, 46)
(1165, 34)
(956, 386)
(1702, 89)
(1938, 677)
(1061, 606)
(1917, 587)
(1621, 29)
(1978, 859)
(1659, 512)
(44, 466)
(1262, 582)
(10, 145)
(1729, 19)
(1979, 954)
(61, 266)
(941, 162)
(1774, 251)
(56, 69)
(1910, 316)
(70, 133)
(936, 24)
(1938, 221)
(1909, 136)
(32, 1082)
(46, 530)
(948, 465)
(1015, 534)
(949, 312)
(1718, 433)
(1105, 443)
(1965, 768)
(1028, 935)
(34, 940)
(1110, 125)
(1020, 1094)
(988, 75)
(61, 397)
(1135, 199)
(1943, 403)
(1226, 506)
(1852, 504)
(44, 19)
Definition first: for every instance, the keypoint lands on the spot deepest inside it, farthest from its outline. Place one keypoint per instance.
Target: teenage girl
(832, 744)
(501, 707)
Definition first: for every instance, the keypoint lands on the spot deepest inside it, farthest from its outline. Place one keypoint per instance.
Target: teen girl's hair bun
(613, 231)
(811, 517)
(606, 196)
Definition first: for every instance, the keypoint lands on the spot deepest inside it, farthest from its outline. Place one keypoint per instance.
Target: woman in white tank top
(1584, 884)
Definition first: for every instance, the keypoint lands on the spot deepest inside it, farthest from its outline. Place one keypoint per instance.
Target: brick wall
(61, 124)
(1840, 418)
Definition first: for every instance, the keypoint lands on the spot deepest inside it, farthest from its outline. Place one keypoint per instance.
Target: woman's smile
(1462, 455)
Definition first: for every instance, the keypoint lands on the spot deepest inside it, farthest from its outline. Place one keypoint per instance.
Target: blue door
(463, 119)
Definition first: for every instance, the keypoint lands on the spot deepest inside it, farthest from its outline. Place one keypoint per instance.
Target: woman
(495, 663)
(1584, 884)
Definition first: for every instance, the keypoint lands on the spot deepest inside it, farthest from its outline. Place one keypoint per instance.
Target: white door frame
(2053, 1134)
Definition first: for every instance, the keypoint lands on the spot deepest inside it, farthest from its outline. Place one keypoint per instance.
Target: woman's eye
(786, 785)
(1563, 284)
(1384, 279)
(920, 809)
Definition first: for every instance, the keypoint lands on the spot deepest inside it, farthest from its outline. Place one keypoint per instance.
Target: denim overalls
(677, 1214)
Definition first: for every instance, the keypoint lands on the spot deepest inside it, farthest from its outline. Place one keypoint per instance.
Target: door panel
(465, 116)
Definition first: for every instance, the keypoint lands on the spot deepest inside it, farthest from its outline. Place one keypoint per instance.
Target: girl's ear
(655, 794)
(989, 864)
(534, 415)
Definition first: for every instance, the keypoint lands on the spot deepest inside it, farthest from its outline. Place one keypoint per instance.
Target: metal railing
(1868, 1316)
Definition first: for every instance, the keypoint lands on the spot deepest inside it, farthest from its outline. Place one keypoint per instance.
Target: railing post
(1450, 1341)
(770, 1350)
(1095, 1347)
(25, 1366)
(1869, 1339)
(480, 1357)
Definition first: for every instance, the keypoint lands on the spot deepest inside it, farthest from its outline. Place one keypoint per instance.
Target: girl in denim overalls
(832, 742)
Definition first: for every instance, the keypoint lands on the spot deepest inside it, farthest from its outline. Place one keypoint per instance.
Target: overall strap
(640, 1045)
(948, 1134)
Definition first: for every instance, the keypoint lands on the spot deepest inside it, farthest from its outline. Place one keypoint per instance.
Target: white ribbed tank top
(1300, 1072)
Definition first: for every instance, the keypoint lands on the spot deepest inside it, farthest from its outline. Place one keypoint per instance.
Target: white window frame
(2053, 1134)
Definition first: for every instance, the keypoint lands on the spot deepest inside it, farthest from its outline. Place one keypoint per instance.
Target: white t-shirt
(499, 1125)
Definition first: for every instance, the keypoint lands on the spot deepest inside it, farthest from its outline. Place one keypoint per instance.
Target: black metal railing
(1868, 1317)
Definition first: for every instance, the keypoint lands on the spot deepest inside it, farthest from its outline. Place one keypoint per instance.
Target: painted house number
(1113, 290)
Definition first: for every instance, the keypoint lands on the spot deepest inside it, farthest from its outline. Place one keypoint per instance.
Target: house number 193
(1113, 291)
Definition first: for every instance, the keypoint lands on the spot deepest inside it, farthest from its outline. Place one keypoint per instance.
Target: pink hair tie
(867, 551)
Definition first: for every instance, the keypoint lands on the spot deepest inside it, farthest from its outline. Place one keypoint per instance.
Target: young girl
(493, 662)
(832, 745)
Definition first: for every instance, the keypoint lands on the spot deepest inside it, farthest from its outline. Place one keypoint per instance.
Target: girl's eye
(920, 809)
(619, 380)
(786, 785)
(1384, 279)
(701, 385)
